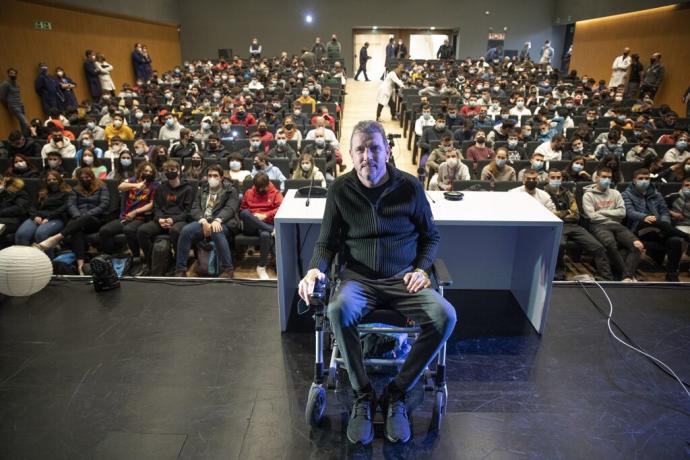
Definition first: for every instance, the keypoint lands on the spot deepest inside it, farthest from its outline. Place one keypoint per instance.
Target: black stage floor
(156, 371)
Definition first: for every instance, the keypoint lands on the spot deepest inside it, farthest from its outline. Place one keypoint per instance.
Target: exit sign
(43, 25)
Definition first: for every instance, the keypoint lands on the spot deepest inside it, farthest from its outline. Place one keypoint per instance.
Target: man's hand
(416, 281)
(38, 220)
(675, 215)
(215, 226)
(261, 216)
(638, 244)
(650, 219)
(130, 215)
(306, 286)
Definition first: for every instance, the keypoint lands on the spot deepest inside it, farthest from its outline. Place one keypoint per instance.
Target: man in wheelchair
(379, 220)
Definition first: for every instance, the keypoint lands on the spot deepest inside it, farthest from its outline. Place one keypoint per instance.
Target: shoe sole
(384, 411)
(365, 442)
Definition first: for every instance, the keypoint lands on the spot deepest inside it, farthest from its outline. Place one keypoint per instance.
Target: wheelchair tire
(438, 410)
(316, 405)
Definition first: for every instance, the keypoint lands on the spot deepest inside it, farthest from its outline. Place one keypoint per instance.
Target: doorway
(377, 51)
(425, 46)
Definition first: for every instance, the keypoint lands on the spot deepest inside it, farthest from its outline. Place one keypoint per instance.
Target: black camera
(394, 136)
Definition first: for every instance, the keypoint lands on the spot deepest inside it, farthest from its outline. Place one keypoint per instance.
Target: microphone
(311, 186)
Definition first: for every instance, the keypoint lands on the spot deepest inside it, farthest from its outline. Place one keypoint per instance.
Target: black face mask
(257, 165)
(289, 126)
(480, 140)
(171, 175)
(262, 130)
(196, 162)
(53, 186)
(147, 177)
(85, 183)
(531, 184)
(213, 146)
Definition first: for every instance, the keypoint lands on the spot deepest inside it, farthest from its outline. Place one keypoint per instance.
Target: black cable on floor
(627, 337)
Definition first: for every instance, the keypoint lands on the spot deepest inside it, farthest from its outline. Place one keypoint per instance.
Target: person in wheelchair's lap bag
(380, 221)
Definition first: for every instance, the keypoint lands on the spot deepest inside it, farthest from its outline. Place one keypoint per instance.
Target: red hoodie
(265, 204)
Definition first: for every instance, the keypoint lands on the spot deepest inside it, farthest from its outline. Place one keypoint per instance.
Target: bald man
(619, 69)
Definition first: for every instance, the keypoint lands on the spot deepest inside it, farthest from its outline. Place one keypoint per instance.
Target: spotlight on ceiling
(375, 28)
(308, 19)
(432, 28)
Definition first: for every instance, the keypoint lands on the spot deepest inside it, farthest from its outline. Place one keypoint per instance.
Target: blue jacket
(92, 79)
(638, 206)
(140, 67)
(553, 130)
(47, 89)
(95, 205)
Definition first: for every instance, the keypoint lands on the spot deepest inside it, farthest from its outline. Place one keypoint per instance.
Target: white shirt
(619, 70)
(520, 113)
(421, 123)
(539, 195)
(328, 135)
(549, 153)
(674, 156)
(387, 88)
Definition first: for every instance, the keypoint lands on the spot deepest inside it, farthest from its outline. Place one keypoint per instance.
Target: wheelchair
(325, 378)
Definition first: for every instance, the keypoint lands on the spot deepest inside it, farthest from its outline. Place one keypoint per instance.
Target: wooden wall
(666, 30)
(72, 33)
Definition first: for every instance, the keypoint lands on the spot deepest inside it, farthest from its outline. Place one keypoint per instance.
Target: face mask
(138, 115)
(297, 112)
(531, 184)
(168, 95)
(139, 150)
(452, 116)
(537, 165)
(577, 149)
(306, 167)
(21, 166)
(224, 126)
(232, 81)
(512, 144)
(53, 186)
(520, 104)
(146, 125)
(320, 142)
(554, 183)
(256, 144)
(473, 103)
(91, 125)
(281, 142)
(86, 142)
(235, 165)
(171, 175)
(577, 167)
(85, 183)
(687, 169)
(480, 140)
(116, 148)
(257, 165)
(117, 123)
(88, 160)
(440, 126)
(604, 182)
(289, 126)
(240, 115)
(213, 182)
(681, 146)
(53, 163)
(452, 162)
(642, 185)
(126, 162)
(686, 192)
(262, 130)
(500, 163)
(170, 123)
(426, 116)
(205, 126)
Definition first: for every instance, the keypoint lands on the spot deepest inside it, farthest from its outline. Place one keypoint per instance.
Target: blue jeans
(253, 226)
(192, 233)
(29, 231)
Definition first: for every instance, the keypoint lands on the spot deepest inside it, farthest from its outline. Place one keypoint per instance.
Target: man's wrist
(422, 271)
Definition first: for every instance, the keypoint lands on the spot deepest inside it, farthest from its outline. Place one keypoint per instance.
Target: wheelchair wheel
(438, 410)
(316, 405)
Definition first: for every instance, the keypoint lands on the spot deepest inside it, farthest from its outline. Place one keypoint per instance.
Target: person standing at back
(619, 69)
(92, 75)
(255, 49)
(333, 49)
(318, 49)
(12, 100)
(390, 55)
(445, 51)
(363, 58)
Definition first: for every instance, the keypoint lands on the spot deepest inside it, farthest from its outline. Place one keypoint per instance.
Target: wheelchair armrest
(439, 271)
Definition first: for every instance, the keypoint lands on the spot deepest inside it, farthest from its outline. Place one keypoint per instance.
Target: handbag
(206, 259)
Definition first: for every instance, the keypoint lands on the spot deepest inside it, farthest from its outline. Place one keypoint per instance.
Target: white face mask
(452, 162)
(88, 160)
(53, 163)
(139, 150)
(116, 148)
(213, 182)
(306, 167)
(235, 165)
(117, 123)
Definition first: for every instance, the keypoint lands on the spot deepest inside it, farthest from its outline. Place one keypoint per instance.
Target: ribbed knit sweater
(395, 235)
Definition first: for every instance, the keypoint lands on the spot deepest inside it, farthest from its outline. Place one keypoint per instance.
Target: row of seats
(530, 147)
(665, 188)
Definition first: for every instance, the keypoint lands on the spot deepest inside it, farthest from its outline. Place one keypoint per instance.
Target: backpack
(64, 264)
(161, 256)
(207, 260)
(121, 264)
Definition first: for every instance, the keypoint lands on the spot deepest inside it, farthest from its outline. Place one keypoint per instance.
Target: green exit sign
(43, 25)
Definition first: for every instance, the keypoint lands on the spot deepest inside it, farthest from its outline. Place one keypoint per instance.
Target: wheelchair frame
(325, 378)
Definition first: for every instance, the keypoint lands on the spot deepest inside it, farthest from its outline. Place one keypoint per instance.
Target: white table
(489, 240)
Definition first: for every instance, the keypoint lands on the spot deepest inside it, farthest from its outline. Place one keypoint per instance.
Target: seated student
(680, 208)
(536, 164)
(424, 120)
(119, 128)
(482, 120)
(87, 204)
(328, 134)
(86, 142)
(236, 173)
(214, 215)
(48, 215)
(613, 163)
(205, 129)
(549, 128)
(553, 148)
(431, 134)
(146, 129)
(641, 150)
(117, 146)
(323, 149)
(323, 113)
(139, 190)
(257, 211)
(567, 211)
(196, 170)
(242, 118)
(680, 151)
(22, 168)
(159, 155)
(498, 170)
(603, 205)
(299, 119)
(255, 146)
(124, 167)
(577, 148)
(18, 144)
(14, 204)
(96, 132)
(516, 149)
(306, 99)
(530, 178)
(453, 119)
(575, 171)
(262, 164)
(501, 132)
(307, 170)
(438, 155)
(479, 151)
(170, 131)
(91, 161)
(172, 203)
(215, 150)
(677, 172)
(59, 143)
(613, 134)
(610, 147)
(282, 149)
(265, 135)
(184, 147)
(450, 170)
(54, 163)
(646, 209)
(141, 150)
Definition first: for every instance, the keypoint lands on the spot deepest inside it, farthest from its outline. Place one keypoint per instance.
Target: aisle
(361, 105)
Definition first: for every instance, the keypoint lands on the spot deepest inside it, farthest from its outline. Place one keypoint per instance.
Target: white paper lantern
(24, 271)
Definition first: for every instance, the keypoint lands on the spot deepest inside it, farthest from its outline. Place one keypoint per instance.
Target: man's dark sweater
(175, 203)
(395, 235)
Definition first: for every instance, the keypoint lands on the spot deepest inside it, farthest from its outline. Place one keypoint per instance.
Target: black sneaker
(397, 422)
(672, 277)
(360, 428)
(142, 271)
